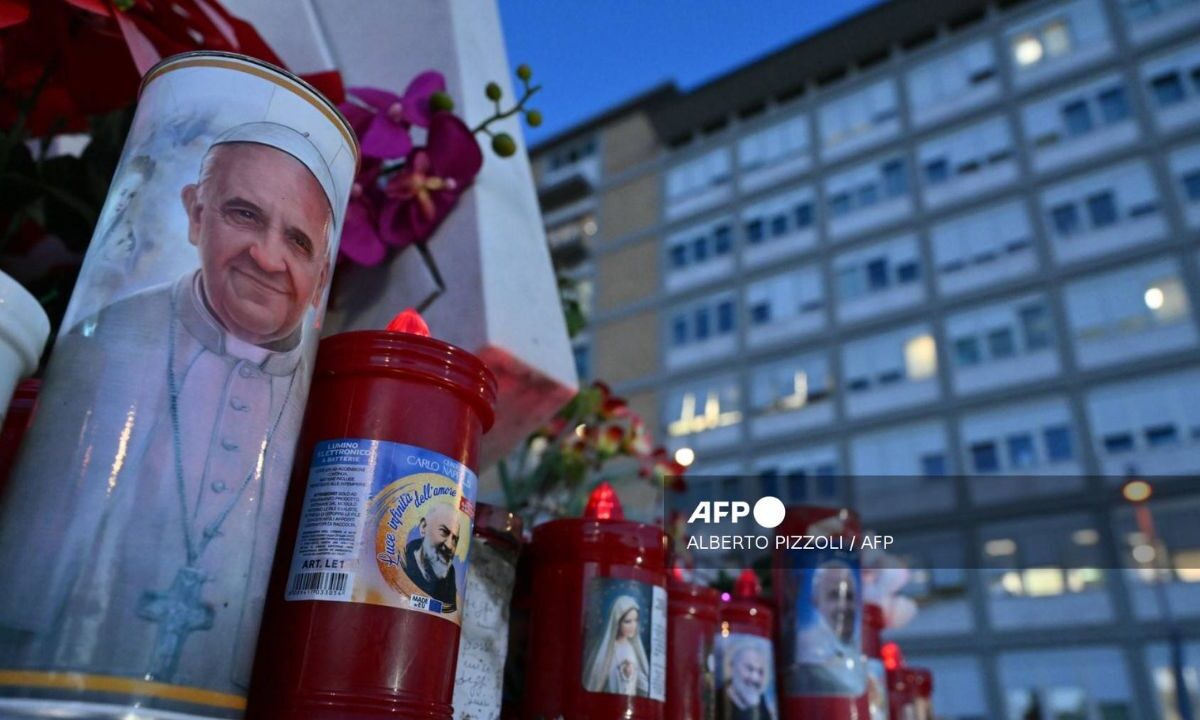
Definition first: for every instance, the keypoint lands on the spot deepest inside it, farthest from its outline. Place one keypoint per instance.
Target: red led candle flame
(893, 659)
(409, 321)
(603, 504)
(747, 586)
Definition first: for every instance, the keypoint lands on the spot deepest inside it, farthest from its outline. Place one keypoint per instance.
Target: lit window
(1056, 37)
(1027, 49)
(1043, 582)
(920, 357)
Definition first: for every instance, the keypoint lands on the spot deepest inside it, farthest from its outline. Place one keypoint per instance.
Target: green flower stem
(499, 115)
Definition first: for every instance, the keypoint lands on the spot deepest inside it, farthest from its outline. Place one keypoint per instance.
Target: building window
(702, 327)
(895, 181)
(1035, 324)
(1102, 209)
(1065, 220)
(1000, 343)
(1167, 89)
(966, 352)
(984, 457)
(1050, 40)
(1021, 453)
(1118, 443)
(1114, 107)
(760, 313)
(937, 171)
(754, 231)
(1058, 443)
(933, 465)
(1160, 435)
(723, 240)
(1077, 118)
(725, 317)
(804, 215)
(679, 256)
(779, 225)
(791, 384)
(1191, 186)
(679, 331)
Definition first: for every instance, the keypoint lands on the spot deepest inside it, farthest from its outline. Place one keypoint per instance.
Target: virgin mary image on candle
(618, 663)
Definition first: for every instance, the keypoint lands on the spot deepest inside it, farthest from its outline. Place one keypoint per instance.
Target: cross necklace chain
(181, 610)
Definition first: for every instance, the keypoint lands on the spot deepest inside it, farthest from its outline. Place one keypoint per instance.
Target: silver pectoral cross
(179, 611)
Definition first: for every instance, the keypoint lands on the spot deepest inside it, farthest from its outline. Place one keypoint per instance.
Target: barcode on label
(319, 583)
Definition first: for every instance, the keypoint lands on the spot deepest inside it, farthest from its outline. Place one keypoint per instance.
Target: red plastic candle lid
(380, 352)
(699, 601)
(873, 624)
(618, 542)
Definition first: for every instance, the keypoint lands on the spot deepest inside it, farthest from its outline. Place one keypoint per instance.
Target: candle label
(822, 620)
(625, 638)
(384, 524)
(745, 677)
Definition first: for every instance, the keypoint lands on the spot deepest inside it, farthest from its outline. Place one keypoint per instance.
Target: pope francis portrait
(150, 558)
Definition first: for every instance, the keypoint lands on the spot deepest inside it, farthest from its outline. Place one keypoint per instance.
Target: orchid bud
(504, 145)
(493, 91)
(441, 102)
(534, 118)
(524, 72)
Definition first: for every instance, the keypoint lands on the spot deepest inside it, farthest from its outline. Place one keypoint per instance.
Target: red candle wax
(692, 624)
(818, 594)
(597, 638)
(388, 652)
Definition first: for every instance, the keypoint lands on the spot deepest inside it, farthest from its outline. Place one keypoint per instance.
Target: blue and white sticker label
(385, 524)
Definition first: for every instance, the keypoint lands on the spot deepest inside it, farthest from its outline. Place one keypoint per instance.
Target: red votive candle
(745, 655)
(598, 622)
(364, 611)
(921, 680)
(692, 625)
(818, 593)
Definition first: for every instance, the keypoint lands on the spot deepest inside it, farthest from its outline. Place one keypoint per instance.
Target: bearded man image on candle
(155, 565)
(429, 559)
(618, 663)
(744, 694)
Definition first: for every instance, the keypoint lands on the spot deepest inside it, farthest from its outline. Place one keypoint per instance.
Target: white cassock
(138, 541)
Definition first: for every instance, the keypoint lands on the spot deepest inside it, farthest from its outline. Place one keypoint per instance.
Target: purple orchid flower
(424, 191)
(381, 118)
(361, 243)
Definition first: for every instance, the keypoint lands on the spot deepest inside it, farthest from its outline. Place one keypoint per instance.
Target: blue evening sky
(590, 55)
